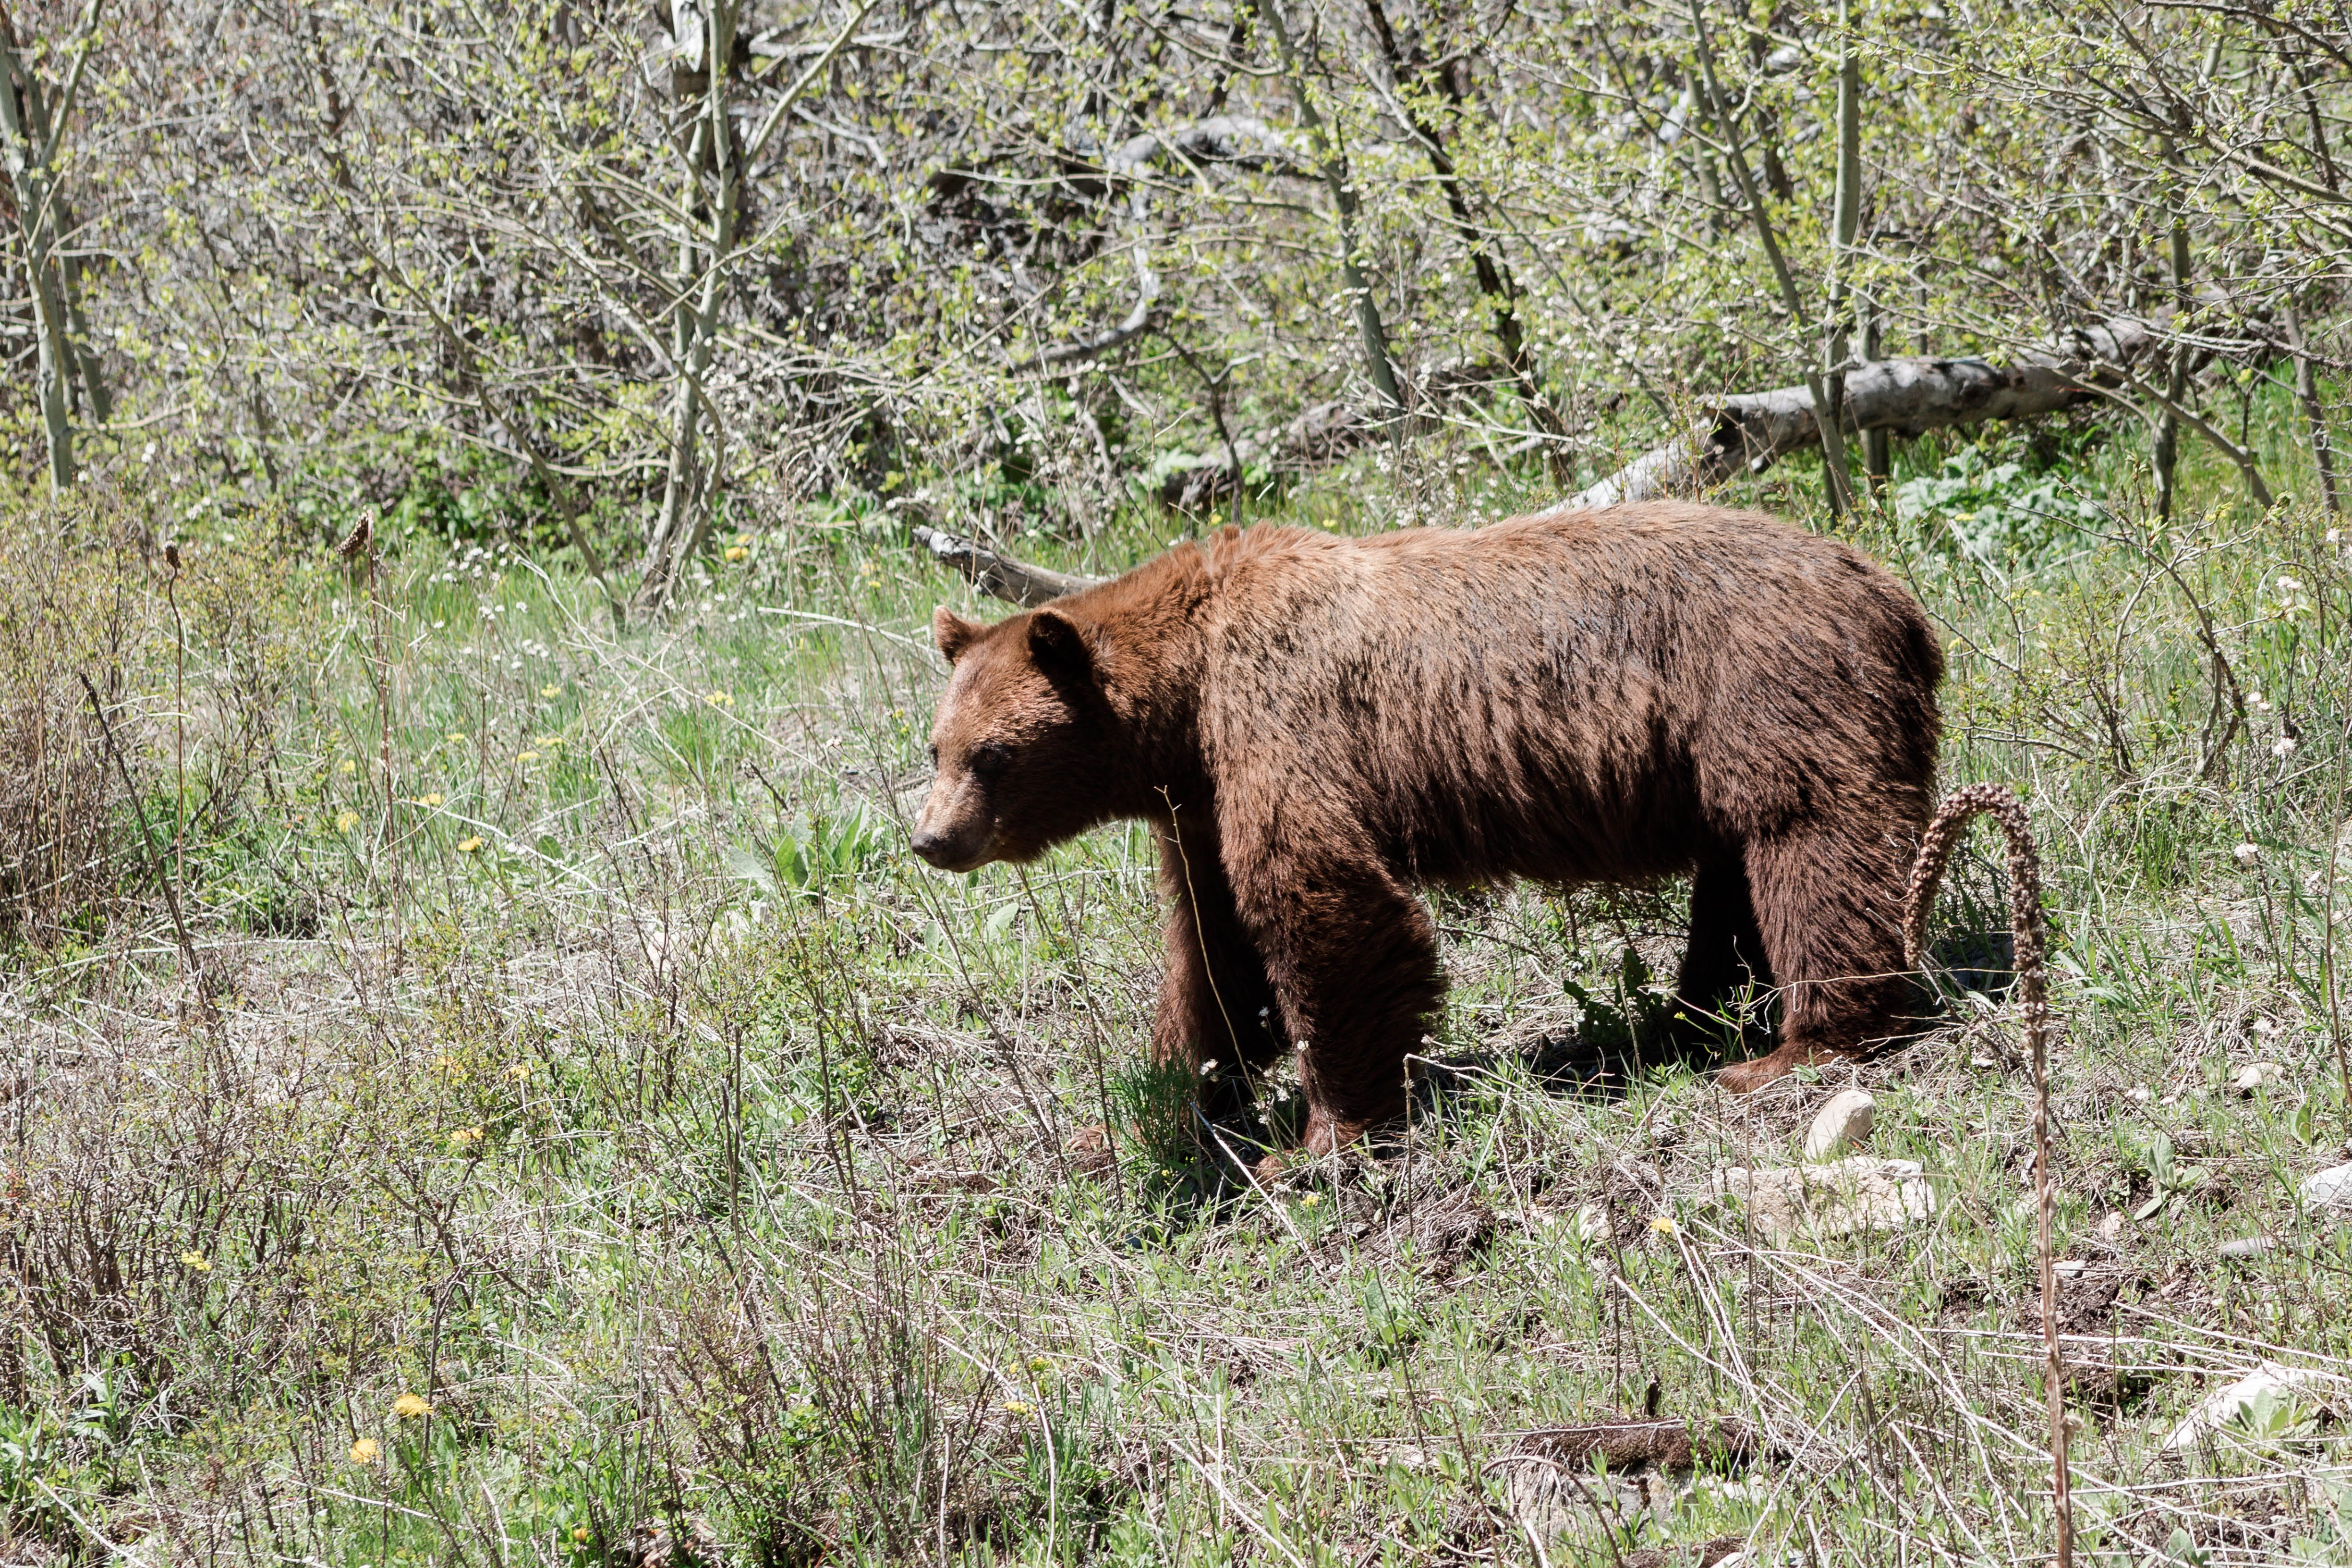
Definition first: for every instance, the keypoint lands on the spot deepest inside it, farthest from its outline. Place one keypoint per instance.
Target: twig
(147, 842)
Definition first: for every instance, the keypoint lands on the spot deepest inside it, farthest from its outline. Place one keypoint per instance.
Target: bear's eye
(990, 759)
(935, 756)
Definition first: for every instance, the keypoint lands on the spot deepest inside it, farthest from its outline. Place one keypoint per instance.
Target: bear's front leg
(1215, 1002)
(1353, 958)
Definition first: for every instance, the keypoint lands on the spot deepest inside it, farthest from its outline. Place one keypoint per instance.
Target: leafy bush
(1996, 511)
(813, 855)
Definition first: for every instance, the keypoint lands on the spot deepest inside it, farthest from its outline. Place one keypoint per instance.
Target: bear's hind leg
(1829, 905)
(1726, 956)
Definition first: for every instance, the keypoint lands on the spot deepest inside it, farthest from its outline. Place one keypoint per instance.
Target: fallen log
(1753, 430)
(1748, 431)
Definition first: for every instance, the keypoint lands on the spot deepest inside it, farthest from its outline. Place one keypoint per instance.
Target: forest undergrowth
(552, 1120)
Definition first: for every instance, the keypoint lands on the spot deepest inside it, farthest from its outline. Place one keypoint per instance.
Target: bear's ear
(952, 633)
(1059, 648)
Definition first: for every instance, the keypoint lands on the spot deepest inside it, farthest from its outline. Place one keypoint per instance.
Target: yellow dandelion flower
(466, 1137)
(348, 768)
(409, 1406)
(550, 691)
(738, 553)
(1312, 1199)
(720, 700)
(471, 844)
(1664, 1225)
(456, 737)
(365, 1451)
(579, 1533)
(1016, 1407)
(197, 1261)
(346, 820)
(519, 1072)
(432, 798)
(526, 756)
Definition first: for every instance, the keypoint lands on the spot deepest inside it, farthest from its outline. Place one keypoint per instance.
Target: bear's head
(1020, 742)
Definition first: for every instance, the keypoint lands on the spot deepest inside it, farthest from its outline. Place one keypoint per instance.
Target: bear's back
(1565, 690)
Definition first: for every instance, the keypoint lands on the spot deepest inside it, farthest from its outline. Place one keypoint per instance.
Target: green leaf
(745, 866)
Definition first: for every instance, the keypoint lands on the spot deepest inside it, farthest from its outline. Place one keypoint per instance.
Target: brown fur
(1317, 726)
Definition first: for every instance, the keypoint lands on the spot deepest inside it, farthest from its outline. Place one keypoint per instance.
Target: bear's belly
(1558, 831)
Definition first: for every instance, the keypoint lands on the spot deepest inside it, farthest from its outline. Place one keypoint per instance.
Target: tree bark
(1845, 224)
(2307, 392)
(1829, 424)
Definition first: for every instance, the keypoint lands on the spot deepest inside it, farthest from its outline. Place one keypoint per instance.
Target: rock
(1844, 1122)
(1828, 1200)
(2245, 1248)
(1543, 1501)
(2328, 1189)
(2253, 1075)
(2220, 1407)
(2112, 1226)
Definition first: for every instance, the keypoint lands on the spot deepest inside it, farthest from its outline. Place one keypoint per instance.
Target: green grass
(610, 1079)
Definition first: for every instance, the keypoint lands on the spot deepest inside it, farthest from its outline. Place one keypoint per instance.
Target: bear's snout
(951, 835)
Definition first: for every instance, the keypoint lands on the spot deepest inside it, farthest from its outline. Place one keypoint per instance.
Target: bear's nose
(931, 847)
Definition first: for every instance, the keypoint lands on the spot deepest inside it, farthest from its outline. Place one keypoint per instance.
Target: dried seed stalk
(2026, 939)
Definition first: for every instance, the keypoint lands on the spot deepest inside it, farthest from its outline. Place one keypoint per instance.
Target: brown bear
(1319, 725)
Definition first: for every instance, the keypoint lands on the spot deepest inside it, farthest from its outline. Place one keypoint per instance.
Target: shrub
(71, 604)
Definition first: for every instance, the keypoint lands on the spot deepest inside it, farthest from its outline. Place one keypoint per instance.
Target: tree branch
(1755, 429)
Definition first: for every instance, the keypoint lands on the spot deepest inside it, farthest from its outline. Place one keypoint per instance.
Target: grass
(723, 1186)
